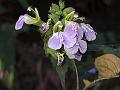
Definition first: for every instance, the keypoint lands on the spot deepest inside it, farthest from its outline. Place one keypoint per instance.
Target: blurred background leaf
(7, 53)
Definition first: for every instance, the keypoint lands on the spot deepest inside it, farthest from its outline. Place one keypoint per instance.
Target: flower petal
(54, 42)
(90, 34)
(44, 29)
(20, 22)
(78, 56)
(82, 46)
(69, 42)
(80, 33)
(72, 50)
(70, 29)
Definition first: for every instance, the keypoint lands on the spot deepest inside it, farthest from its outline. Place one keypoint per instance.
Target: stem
(76, 75)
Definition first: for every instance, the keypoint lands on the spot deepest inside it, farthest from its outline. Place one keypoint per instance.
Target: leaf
(68, 10)
(57, 27)
(7, 52)
(54, 8)
(9, 78)
(117, 52)
(111, 37)
(106, 49)
(70, 16)
(61, 4)
(54, 17)
(108, 65)
(62, 73)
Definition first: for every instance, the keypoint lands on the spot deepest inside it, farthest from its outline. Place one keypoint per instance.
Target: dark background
(24, 64)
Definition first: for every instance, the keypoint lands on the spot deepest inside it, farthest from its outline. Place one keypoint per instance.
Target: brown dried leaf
(108, 66)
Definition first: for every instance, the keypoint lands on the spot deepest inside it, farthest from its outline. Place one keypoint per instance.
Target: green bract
(68, 10)
(33, 20)
(57, 27)
(70, 16)
(61, 4)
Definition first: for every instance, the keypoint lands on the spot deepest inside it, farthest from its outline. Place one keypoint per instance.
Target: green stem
(76, 75)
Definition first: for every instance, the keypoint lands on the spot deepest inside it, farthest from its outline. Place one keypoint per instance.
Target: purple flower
(71, 38)
(27, 19)
(81, 45)
(90, 34)
(55, 42)
(71, 29)
(44, 27)
(67, 37)
(20, 22)
(78, 56)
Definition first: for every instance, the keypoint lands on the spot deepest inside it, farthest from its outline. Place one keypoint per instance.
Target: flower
(67, 37)
(80, 44)
(90, 34)
(55, 42)
(71, 38)
(20, 22)
(27, 19)
(71, 29)
(45, 26)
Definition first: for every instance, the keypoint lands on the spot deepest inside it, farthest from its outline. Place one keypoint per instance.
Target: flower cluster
(72, 39)
(66, 33)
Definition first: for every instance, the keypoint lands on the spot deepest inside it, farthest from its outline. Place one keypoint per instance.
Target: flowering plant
(64, 34)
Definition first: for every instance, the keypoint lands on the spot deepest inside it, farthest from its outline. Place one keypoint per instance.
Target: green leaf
(54, 17)
(70, 16)
(54, 8)
(117, 51)
(61, 4)
(106, 49)
(51, 52)
(62, 73)
(68, 10)
(58, 13)
(57, 27)
(9, 78)
(7, 52)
